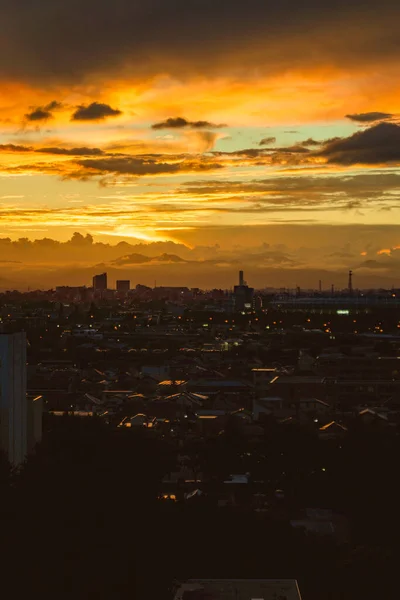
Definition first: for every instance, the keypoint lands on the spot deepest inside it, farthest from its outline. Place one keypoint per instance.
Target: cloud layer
(47, 263)
(180, 123)
(54, 40)
(112, 121)
(370, 117)
(267, 141)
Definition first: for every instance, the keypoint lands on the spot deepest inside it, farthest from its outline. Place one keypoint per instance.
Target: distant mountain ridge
(139, 259)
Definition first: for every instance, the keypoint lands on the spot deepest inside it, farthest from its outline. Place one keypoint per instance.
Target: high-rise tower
(243, 295)
(123, 285)
(13, 400)
(100, 282)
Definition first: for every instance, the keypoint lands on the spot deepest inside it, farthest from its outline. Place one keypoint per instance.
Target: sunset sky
(265, 128)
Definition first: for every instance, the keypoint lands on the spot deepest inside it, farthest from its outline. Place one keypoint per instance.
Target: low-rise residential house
(139, 420)
(294, 387)
(215, 386)
(312, 405)
(171, 386)
(146, 384)
(372, 418)
(271, 406)
(322, 522)
(158, 372)
(188, 399)
(262, 377)
(332, 430)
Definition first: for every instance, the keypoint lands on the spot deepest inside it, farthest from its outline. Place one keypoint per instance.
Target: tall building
(13, 400)
(243, 294)
(123, 285)
(100, 282)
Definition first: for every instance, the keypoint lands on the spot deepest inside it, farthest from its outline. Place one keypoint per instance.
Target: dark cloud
(245, 152)
(370, 117)
(136, 259)
(372, 264)
(151, 165)
(379, 144)
(14, 148)
(82, 151)
(38, 115)
(131, 259)
(43, 113)
(95, 111)
(54, 105)
(58, 40)
(310, 142)
(267, 141)
(330, 140)
(296, 149)
(180, 123)
(263, 152)
(307, 190)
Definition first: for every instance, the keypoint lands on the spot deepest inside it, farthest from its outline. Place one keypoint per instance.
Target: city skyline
(46, 263)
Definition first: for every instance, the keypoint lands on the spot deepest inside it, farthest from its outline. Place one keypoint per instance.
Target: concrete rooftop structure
(239, 589)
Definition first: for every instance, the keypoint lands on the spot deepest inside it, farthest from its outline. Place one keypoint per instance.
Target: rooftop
(171, 382)
(220, 383)
(239, 589)
(333, 425)
(294, 379)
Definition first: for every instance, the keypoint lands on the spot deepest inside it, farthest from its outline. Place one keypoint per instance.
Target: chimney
(350, 284)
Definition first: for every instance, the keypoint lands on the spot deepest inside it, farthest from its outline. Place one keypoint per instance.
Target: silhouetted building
(13, 400)
(243, 295)
(100, 282)
(172, 293)
(72, 294)
(123, 285)
(257, 302)
(35, 420)
(350, 283)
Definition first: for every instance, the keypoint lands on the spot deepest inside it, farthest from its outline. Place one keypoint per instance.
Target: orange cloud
(388, 251)
(300, 94)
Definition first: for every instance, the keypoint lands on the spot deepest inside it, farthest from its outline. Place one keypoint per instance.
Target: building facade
(243, 294)
(13, 399)
(123, 285)
(100, 282)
